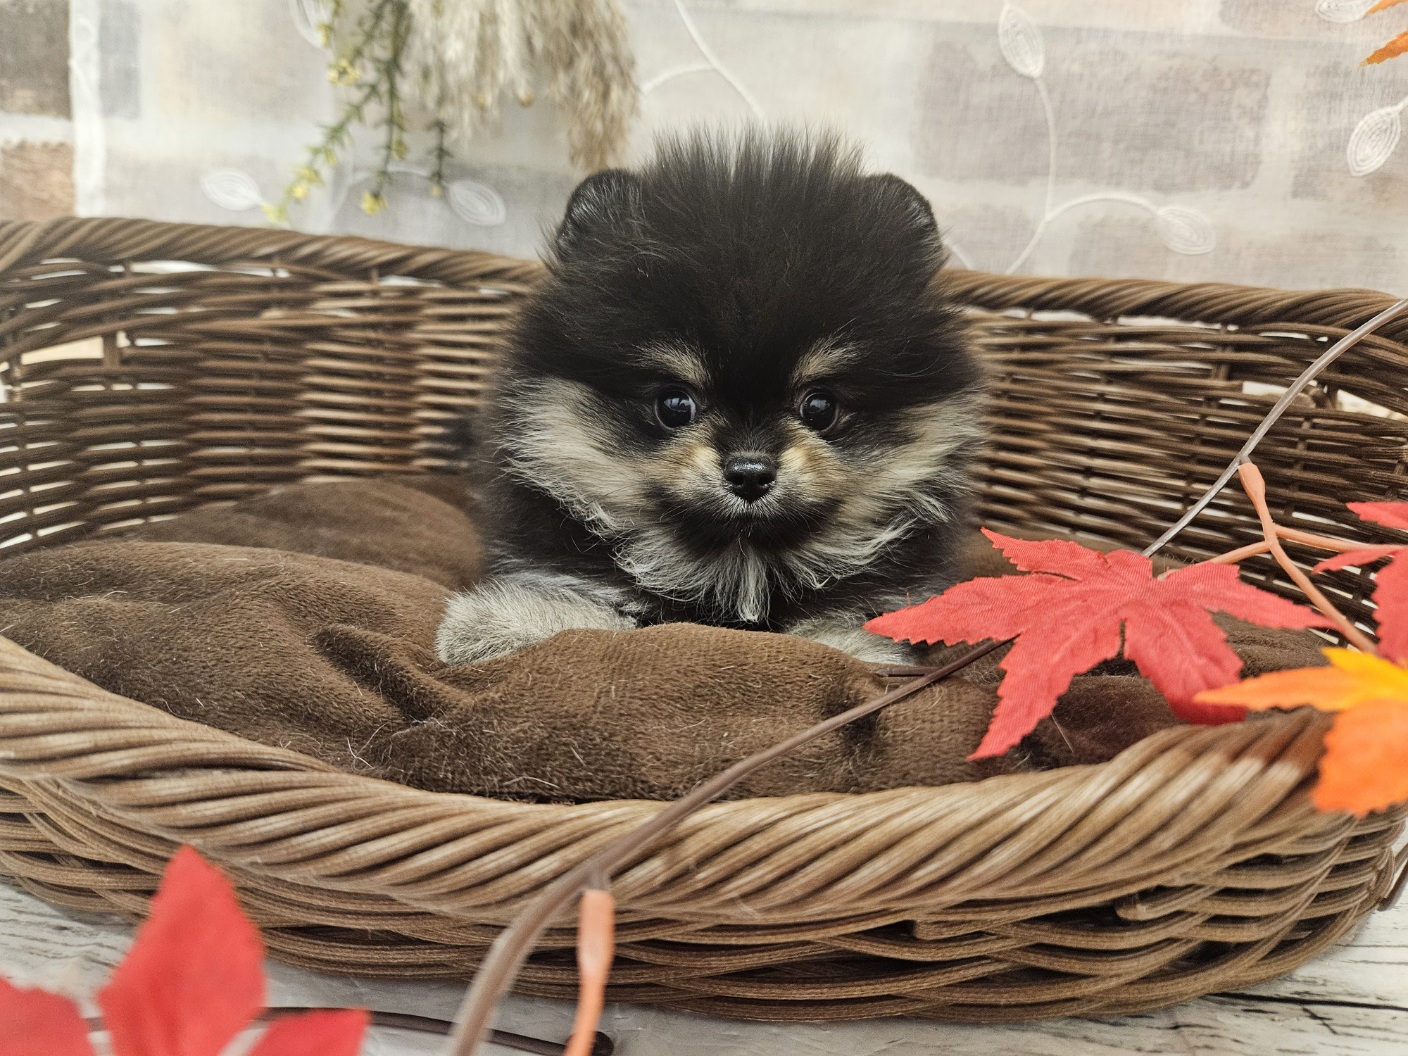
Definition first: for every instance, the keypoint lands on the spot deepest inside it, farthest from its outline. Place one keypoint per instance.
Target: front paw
(855, 640)
(501, 617)
(474, 630)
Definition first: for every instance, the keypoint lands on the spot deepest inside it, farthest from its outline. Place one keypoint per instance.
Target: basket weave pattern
(205, 364)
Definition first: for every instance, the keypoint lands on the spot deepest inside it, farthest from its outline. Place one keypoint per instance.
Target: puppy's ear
(602, 201)
(904, 198)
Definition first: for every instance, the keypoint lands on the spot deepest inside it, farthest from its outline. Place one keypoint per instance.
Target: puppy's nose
(750, 476)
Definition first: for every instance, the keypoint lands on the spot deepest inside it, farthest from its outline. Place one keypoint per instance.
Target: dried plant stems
(454, 60)
(467, 53)
(394, 141)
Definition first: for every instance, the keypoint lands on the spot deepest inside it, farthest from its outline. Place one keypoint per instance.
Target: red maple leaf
(1068, 616)
(35, 1023)
(193, 979)
(1391, 582)
(325, 1032)
(195, 976)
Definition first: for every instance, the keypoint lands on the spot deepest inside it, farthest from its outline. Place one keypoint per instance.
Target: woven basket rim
(121, 239)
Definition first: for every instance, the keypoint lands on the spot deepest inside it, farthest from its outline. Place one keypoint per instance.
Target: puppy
(736, 399)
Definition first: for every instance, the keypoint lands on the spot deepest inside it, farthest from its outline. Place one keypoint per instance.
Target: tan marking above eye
(676, 361)
(823, 359)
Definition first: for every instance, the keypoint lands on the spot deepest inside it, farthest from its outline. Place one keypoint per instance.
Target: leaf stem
(596, 945)
(1233, 557)
(1255, 486)
(1322, 542)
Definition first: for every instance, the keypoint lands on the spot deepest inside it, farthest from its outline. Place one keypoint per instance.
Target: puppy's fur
(754, 286)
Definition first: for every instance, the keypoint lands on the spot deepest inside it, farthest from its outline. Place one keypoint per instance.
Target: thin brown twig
(1273, 416)
(1255, 486)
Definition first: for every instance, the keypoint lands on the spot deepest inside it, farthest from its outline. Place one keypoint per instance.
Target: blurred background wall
(1185, 139)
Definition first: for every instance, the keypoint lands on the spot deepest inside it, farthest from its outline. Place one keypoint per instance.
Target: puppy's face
(744, 393)
(766, 451)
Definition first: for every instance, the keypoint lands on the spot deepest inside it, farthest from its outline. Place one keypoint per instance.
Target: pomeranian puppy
(737, 398)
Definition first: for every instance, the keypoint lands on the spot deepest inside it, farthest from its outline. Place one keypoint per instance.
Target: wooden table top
(1353, 1001)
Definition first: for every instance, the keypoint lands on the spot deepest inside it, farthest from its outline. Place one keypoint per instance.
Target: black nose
(750, 476)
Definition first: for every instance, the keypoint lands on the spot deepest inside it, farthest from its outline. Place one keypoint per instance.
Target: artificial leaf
(194, 978)
(1353, 678)
(1397, 46)
(1391, 581)
(37, 1023)
(321, 1033)
(1365, 765)
(1389, 514)
(1383, 5)
(1358, 558)
(1068, 616)
(1390, 594)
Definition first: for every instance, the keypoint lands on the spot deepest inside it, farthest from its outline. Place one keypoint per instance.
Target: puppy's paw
(502, 616)
(847, 635)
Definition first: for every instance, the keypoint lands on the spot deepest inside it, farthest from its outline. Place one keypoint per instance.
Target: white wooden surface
(1351, 1002)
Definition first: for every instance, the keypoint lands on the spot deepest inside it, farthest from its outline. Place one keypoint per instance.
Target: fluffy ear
(603, 200)
(904, 198)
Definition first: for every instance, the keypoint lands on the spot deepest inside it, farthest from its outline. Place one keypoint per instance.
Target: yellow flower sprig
(371, 66)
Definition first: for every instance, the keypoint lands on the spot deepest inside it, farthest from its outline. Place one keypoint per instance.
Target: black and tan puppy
(736, 399)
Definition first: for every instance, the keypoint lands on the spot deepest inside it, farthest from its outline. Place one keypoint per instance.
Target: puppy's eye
(818, 410)
(675, 408)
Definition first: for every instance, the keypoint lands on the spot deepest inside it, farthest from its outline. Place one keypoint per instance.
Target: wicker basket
(1190, 863)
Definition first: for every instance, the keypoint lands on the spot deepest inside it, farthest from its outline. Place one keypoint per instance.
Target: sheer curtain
(1199, 139)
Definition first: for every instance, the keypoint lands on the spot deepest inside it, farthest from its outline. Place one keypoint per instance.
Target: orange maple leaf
(1397, 46)
(1365, 765)
(1383, 5)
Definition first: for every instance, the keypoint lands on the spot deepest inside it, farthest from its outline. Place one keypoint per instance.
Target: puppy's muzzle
(750, 477)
